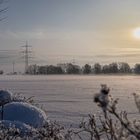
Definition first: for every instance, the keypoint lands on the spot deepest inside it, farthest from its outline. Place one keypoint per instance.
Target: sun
(136, 33)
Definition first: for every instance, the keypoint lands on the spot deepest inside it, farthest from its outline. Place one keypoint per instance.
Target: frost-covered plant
(14, 130)
(112, 125)
(50, 131)
(17, 97)
(109, 125)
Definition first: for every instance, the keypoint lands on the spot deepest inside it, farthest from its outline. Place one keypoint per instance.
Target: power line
(13, 67)
(26, 53)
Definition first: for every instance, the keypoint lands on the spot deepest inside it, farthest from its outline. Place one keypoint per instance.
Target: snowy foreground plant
(112, 125)
(109, 125)
(21, 119)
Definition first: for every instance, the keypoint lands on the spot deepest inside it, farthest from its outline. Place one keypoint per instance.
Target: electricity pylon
(26, 56)
(13, 67)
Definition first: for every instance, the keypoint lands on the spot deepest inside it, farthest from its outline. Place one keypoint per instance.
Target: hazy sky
(88, 31)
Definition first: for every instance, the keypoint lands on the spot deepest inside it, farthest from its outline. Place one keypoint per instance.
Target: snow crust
(5, 96)
(24, 113)
(69, 98)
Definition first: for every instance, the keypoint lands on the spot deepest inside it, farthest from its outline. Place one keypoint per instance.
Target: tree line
(97, 68)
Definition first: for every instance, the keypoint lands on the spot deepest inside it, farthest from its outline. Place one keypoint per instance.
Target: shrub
(109, 125)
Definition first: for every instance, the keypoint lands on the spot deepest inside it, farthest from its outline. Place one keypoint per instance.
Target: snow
(5, 97)
(25, 113)
(68, 99)
(22, 127)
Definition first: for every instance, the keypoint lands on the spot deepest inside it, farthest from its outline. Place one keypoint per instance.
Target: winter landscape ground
(67, 99)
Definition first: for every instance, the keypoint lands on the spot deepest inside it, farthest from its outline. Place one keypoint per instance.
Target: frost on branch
(102, 98)
(137, 101)
(111, 125)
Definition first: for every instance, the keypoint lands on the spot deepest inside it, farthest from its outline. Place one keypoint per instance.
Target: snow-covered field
(67, 99)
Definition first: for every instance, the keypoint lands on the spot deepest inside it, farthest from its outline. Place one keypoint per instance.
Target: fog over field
(67, 99)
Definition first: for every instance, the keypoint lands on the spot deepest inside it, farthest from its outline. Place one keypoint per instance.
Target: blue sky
(88, 31)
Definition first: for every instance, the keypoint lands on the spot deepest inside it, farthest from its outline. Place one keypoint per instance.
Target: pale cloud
(22, 35)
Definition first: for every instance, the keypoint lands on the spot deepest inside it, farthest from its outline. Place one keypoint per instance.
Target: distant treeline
(69, 68)
(1, 72)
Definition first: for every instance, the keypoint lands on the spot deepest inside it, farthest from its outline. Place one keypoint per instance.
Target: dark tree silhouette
(97, 68)
(87, 69)
(124, 68)
(137, 68)
(113, 67)
(1, 72)
(105, 69)
(68, 68)
(54, 70)
(72, 69)
(42, 70)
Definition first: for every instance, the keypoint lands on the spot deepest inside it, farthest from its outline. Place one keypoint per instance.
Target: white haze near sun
(136, 33)
(59, 31)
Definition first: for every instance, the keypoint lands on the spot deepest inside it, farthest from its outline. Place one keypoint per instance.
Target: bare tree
(3, 9)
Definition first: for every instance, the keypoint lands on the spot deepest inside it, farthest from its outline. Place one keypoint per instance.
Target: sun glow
(136, 33)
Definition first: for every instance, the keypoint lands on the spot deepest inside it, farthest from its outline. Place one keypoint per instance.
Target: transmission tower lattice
(26, 53)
